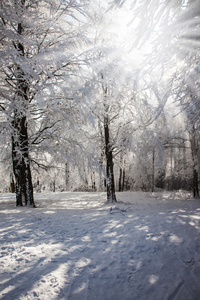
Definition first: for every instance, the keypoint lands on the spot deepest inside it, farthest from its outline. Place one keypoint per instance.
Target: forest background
(99, 96)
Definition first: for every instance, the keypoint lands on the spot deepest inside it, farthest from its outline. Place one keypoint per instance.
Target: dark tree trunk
(123, 179)
(93, 181)
(110, 183)
(111, 197)
(54, 186)
(20, 140)
(195, 164)
(153, 171)
(21, 163)
(195, 184)
(12, 184)
(66, 176)
(120, 179)
(121, 173)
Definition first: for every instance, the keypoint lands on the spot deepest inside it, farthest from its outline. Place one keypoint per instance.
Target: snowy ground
(73, 247)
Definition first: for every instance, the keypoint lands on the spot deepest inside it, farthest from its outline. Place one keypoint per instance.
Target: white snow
(74, 246)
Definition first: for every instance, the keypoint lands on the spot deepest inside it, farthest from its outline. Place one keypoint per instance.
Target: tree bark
(120, 179)
(123, 179)
(195, 164)
(12, 184)
(20, 140)
(66, 176)
(153, 171)
(195, 184)
(110, 182)
(121, 173)
(111, 197)
(21, 162)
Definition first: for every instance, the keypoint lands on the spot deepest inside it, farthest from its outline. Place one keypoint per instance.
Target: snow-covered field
(74, 247)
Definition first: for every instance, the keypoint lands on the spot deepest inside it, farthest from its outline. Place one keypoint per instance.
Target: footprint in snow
(188, 262)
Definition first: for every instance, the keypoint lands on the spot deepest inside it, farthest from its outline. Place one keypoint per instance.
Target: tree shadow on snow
(140, 254)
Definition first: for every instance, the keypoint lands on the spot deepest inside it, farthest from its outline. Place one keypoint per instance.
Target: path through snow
(74, 247)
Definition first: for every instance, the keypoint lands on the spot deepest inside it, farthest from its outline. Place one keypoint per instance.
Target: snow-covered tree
(122, 84)
(188, 77)
(39, 46)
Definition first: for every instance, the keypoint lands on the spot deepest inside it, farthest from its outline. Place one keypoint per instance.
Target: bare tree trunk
(123, 179)
(120, 179)
(20, 140)
(111, 197)
(195, 163)
(110, 183)
(93, 181)
(12, 184)
(66, 176)
(195, 184)
(121, 173)
(21, 163)
(153, 170)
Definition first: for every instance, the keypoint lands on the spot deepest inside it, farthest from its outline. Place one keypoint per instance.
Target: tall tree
(111, 197)
(38, 51)
(188, 79)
